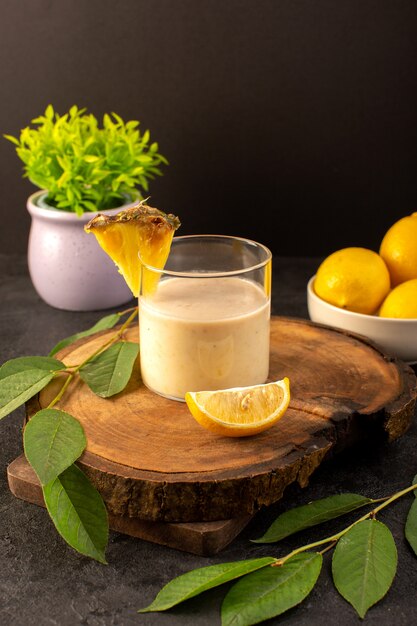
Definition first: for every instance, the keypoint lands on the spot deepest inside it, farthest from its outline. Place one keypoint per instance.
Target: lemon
(356, 279)
(401, 301)
(241, 411)
(137, 229)
(399, 249)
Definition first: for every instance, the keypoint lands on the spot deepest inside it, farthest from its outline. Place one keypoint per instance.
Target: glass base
(164, 395)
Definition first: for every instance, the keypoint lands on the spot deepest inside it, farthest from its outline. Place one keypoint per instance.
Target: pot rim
(54, 214)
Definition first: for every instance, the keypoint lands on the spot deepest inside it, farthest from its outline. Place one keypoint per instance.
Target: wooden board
(204, 538)
(150, 460)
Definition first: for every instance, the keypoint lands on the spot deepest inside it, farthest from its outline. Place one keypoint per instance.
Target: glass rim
(191, 274)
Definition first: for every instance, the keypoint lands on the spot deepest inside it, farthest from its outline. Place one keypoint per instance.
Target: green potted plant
(81, 169)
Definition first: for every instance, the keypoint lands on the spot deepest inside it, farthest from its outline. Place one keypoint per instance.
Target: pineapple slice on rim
(139, 229)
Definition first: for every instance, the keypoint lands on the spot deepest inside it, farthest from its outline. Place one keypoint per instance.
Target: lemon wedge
(240, 411)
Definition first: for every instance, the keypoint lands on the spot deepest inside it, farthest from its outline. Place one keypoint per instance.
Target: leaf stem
(133, 308)
(61, 391)
(73, 369)
(394, 497)
(329, 547)
(333, 539)
(112, 339)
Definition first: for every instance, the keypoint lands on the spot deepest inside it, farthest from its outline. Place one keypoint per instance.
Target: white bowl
(398, 337)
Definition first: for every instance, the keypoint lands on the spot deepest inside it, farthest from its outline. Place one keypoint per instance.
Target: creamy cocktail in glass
(204, 318)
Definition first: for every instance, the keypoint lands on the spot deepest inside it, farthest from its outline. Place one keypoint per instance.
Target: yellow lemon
(241, 411)
(399, 249)
(356, 279)
(402, 301)
(141, 229)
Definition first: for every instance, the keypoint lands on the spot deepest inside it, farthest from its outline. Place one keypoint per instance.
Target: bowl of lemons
(370, 293)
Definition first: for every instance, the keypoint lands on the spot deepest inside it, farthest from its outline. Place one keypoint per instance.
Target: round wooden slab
(150, 459)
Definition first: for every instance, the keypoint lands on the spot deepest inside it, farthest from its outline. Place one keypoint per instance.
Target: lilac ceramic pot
(68, 268)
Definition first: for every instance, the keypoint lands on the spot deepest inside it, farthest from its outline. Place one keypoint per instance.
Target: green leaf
(78, 512)
(414, 482)
(411, 523)
(271, 591)
(12, 139)
(49, 112)
(22, 378)
(28, 363)
(411, 526)
(364, 564)
(118, 118)
(90, 206)
(52, 441)
(103, 324)
(91, 158)
(312, 514)
(109, 372)
(196, 581)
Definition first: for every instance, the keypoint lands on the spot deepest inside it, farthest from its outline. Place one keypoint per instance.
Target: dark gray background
(289, 121)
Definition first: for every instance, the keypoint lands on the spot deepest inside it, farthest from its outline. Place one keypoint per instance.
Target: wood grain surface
(151, 460)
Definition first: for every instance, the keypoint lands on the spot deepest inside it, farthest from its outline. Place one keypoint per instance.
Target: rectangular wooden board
(203, 538)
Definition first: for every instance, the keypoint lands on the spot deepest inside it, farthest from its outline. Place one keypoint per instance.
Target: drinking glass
(204, 318)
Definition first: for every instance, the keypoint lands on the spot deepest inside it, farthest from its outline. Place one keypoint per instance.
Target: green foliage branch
(364, 563)
(85, 167)
(53, 439)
